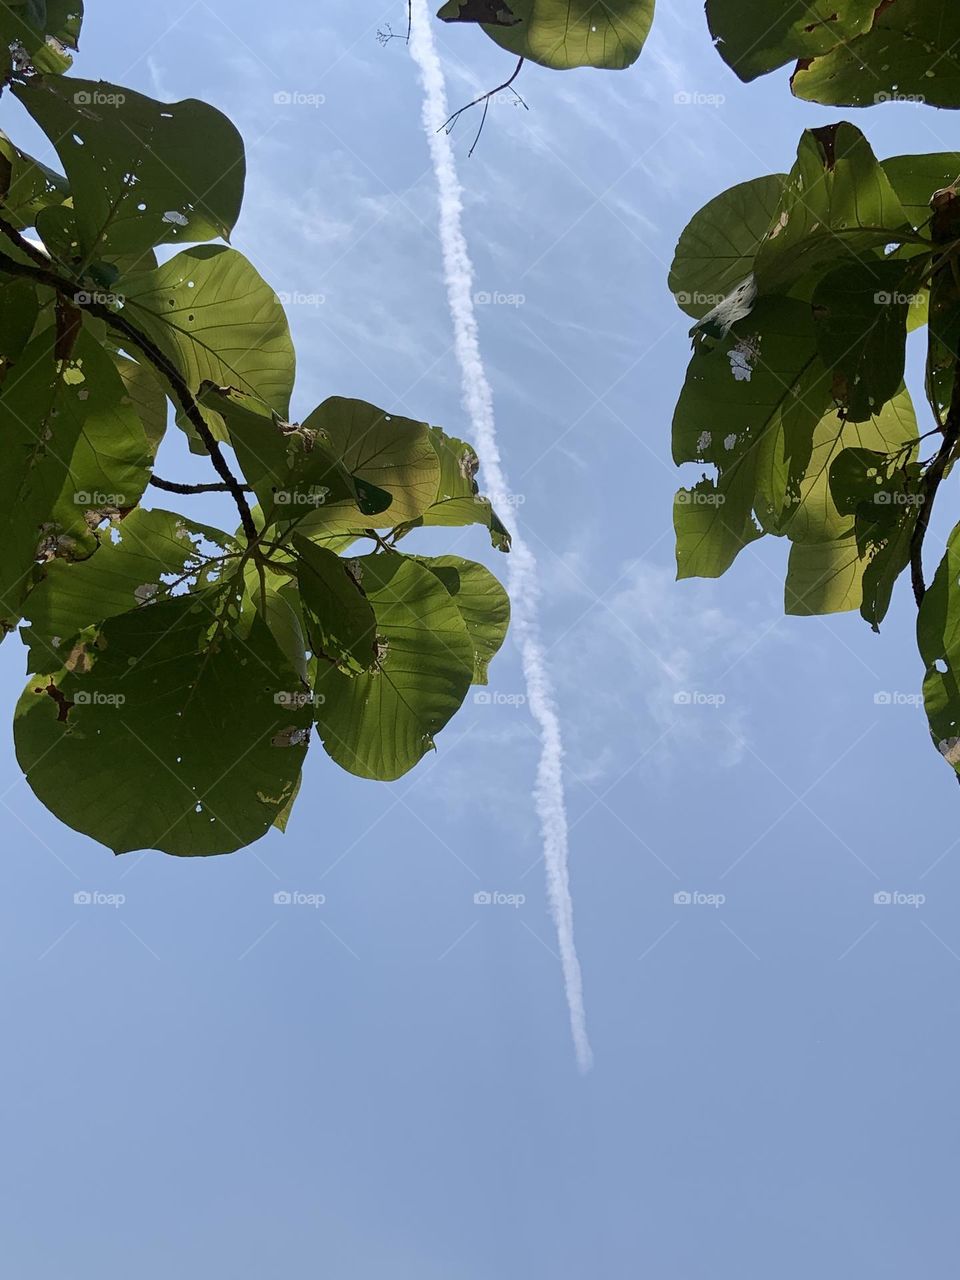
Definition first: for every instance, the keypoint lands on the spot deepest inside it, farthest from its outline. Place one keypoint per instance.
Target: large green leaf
(837, 205)
(73, 447)
(860, 311)
(27, 186)
(910, 52)
(813, 514)
(292, 469)
(142, 172)
(917, 178)
(384, 453)
(718, 246)
(483, 604)
(757, 36)
(562, 33)
(380, 723)
(458, 501)
(178, 735)
(218, 320)
(142, 559)
(824, 577)
(341, 625)
(938, 635)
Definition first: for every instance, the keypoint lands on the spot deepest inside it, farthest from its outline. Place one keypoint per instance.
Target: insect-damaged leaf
(142, 173)
(218, 321)
(757, 36)
(180, 735)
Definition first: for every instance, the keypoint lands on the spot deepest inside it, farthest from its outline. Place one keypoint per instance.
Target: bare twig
(485, 99)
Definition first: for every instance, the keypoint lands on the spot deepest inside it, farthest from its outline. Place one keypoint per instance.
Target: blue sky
(200, 1081)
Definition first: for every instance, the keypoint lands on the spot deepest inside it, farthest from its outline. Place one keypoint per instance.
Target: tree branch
(485, 99)
(41, 274)
(173, 486)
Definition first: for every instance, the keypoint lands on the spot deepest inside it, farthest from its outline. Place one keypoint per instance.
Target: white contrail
(522, 581)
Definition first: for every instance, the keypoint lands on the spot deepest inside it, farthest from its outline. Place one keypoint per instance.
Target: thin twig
(485, 99)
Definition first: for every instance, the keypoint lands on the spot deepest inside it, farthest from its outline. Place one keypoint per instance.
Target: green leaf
(19, 309)
(179, 735)
(218, 321)
(483, 604)
(824, 577)
(820, 511)
(379, 724)
(713, 522)
(142, 172)
(860, 311)
(341, 625)
(292, 469)
(384, 453)
(558, 34)
(917, 178)
(458, 501)
(717, 249)
(938, 636)
(908, 54)
(757, 36)
(45, 30)
(74, 446)
(147, 397)
(27, 186)
(142, 559)
(837, 205)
